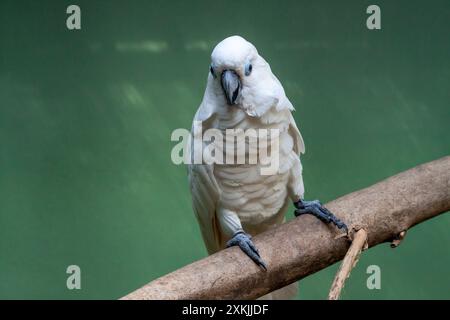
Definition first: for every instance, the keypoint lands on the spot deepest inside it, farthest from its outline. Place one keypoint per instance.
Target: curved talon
(243, 240)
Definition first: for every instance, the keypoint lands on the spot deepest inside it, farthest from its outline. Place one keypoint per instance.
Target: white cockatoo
(233, 201)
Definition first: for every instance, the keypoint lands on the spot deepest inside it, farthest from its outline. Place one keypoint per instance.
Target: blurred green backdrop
(86, 117)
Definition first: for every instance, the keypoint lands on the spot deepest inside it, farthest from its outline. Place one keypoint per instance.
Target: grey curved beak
(231, 85)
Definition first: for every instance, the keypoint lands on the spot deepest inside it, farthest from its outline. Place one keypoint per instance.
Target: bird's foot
(243, 240)
(315, 208)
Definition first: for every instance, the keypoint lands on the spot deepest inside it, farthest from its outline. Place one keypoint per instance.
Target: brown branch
(351, 258)
(305, 245)
(398, 239)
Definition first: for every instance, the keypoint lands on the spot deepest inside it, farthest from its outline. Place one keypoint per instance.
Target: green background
(86, 118)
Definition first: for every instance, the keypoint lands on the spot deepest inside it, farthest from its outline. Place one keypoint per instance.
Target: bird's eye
(211, 69)
(248, 69)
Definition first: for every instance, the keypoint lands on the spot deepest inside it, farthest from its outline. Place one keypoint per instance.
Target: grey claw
(244, 242)
(315, 208)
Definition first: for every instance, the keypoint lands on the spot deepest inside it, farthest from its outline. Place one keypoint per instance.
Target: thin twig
(351, 258)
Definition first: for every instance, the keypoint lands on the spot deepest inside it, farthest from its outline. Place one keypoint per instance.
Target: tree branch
(305, 245)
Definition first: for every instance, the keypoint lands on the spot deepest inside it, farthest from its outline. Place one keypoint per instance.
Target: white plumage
(228, 198)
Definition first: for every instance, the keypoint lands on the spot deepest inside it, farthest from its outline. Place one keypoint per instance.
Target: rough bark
(305, 245)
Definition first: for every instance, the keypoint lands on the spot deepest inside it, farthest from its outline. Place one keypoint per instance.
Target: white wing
(299, 145)
(205, 195)
(204, 189)
(284, 103)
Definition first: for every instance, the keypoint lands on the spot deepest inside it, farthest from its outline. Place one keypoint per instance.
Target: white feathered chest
(259, 200)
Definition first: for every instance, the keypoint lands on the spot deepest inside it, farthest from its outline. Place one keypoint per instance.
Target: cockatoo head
(232, 63)
(239, 77)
